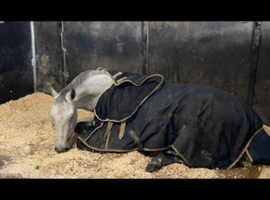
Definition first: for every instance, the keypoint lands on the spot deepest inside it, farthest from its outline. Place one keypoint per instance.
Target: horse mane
(78, 80)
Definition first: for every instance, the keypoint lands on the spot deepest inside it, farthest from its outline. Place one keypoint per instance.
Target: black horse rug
(205, 126)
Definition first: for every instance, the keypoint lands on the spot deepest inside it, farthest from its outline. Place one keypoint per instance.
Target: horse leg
(162, 159)
(85, 126)
(83, 129)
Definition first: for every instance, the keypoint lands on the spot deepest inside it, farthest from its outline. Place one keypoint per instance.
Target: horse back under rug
(205, 126)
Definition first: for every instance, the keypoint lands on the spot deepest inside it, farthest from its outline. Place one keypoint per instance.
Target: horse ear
(53, 92)
(70, 96)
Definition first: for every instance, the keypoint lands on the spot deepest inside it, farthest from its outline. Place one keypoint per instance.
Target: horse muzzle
(61, 149)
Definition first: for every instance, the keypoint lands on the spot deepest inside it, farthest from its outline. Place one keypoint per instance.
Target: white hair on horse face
(83, 92)
(64, 114)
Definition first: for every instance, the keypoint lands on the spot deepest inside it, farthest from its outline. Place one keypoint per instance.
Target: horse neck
(89, 91)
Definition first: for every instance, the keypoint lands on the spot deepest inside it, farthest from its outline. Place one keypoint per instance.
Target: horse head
(83, 92)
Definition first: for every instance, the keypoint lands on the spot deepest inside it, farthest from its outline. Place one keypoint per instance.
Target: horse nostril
(62, 150)
(57, 150)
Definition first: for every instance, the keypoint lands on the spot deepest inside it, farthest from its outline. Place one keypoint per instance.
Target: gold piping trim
(140, 84)
(183, 158)
(245, 148)
(117, 74)
(94, 131)
(122, 130)
(267, 129)
(144, 99)
(157, 149)
(105, 150)
(121, 80)
(109, 74)
(119, 150)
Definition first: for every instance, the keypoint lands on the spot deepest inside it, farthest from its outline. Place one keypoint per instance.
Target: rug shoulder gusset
(129, 89)
(135, 79)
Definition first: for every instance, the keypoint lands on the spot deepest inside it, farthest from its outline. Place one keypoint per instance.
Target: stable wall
(215, 53)
(16, 75)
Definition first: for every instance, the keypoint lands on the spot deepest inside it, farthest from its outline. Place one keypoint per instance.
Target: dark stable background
(203, 52)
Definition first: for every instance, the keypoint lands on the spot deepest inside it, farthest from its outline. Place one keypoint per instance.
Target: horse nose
(57, 149)
(61, 150)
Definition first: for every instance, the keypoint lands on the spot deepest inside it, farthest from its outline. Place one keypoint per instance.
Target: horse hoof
(153, 166)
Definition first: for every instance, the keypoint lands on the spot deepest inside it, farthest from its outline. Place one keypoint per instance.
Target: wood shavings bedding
(27, 139)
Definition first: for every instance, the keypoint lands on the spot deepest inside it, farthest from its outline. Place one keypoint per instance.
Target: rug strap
(108, 133)
(122, 130)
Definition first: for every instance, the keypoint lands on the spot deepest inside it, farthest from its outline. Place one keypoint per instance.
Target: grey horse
(83, 92)
(196, 146)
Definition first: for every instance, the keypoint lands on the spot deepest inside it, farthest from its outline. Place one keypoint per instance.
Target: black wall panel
(215, 53)
(16, 76)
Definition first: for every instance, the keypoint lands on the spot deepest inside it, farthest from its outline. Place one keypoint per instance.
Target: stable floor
(27, 139)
